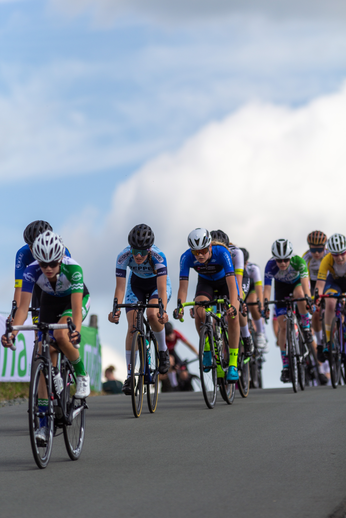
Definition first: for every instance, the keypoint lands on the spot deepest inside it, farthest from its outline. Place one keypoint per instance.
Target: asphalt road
(275, 454)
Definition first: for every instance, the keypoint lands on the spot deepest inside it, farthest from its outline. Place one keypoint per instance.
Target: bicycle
(243, 363)
(337, 346)
(144, 357)
(296, 348)
(213, 375)
(64, 410)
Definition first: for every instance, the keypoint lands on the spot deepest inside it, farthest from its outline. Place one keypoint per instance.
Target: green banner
(90, 352)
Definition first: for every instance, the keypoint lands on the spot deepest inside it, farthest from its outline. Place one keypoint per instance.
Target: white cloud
(262, 173)
(106, 11)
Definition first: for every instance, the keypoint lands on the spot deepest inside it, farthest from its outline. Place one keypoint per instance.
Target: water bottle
(148, 353)
(57, 380)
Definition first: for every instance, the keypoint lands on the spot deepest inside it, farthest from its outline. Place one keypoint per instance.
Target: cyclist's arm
(182, 291)
(20, 317)
(306, 286)
(17, 295)
(120, 289)
(267, 291)
(232, 290)
(320, 286)
(162, 289)
(259, 292)
(76, 304)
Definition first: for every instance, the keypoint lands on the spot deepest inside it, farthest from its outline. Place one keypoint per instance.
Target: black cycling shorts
(207, 288)
(51, 307)
(282, 290)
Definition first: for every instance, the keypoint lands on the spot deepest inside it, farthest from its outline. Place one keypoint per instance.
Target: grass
(10, 390)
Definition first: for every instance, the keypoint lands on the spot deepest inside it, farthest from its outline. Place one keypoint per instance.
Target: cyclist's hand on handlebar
(178, 313)
(75, 339)
(114, 319)
(231, 311)
(8, 341)
(265, 313)
(164, 318)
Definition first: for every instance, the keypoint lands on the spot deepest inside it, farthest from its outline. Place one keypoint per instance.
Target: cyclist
(213, 263)
(64, 295)
(220, 237)
(255, 293)
(148, 277)
(24, 257)
(331, 278)
(291, 276)
(313, 257)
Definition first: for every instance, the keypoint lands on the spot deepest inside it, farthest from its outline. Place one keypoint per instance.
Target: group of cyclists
(52, 282)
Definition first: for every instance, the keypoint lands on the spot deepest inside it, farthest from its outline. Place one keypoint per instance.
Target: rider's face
(283, 264)
(201, 257)
(340, 258)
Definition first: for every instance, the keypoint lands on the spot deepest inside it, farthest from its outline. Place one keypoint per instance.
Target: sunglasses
(52, 264)
(339, 255)
(204, 251)
(282, 260)
(316, 250)
(134, 251)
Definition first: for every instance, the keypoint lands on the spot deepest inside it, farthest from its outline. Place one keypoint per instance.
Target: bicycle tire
(243, 371)
(74, 433)
(153, 373)
(227, 391)
(292, 356)
(334, 354)
(301, 364)
(254, 372)
(41, 451)
(208, 379)
(137, 373)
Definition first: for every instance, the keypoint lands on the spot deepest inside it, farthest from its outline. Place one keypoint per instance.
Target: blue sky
(96, 97)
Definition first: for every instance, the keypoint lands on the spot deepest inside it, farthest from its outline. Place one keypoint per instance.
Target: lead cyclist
(64, 295)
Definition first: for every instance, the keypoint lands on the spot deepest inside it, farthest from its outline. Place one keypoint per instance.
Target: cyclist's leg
(244, 327)
(331, 287)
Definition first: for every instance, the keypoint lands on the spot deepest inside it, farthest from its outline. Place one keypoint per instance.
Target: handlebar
(137, 305)
(203, 303)
(40, 326)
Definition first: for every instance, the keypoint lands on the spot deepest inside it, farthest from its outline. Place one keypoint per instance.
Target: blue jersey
(24, 257)
(145, 271)
(219, 266)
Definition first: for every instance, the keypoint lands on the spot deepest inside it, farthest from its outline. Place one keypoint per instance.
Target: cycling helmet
(141, 237)
(336, 244)
(317, 238)
(219, 235)
(168, 328)
(34, 229)
(282, 249)
(246, 254)
(199, 239)
(48, 247)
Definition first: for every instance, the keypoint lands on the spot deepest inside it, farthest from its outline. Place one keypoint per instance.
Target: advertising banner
(16, 365)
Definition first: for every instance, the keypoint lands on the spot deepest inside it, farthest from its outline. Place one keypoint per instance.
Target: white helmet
(336, 244)
(282, 249)
(48, 247)
(199, 239)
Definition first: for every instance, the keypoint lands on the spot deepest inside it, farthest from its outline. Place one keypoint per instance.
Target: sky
(222, 114)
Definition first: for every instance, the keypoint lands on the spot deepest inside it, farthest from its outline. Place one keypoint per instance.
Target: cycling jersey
(125, 259)
(313, 264)
(172, 343)
(296, 270)
(24, 257)
(237, 259)
(254, 272)
(335, 270)
(218, 266)
(69, 280)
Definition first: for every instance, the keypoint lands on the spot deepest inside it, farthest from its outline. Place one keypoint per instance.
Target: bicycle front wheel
(137, 373)
(244, 372)
(153, 373)
(227, 391)
(301, 363)
(292, 356)
(41, 449)
(334, 356)
(208, 370)
(74, 409)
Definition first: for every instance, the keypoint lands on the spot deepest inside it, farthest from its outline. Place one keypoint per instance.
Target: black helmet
(246, 254)
(141, 237)
(168, 328)
(34, 229)
(219, 235)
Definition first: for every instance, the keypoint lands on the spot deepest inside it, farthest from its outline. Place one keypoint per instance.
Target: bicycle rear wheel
(41, 449)
(137, 373)
(227, 391)
(292, 355)
(208, 373)
(244, 372)
(301, 363)
(74, 433)
(153, 373)
(334, 356)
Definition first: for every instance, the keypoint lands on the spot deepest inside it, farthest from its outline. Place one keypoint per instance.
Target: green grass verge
(10, 390)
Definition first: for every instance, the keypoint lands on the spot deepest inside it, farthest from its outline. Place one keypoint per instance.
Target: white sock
(172, 376)
(161, 339)
(245, 331)
(259, 325)
(318, 335)
(128, 362)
